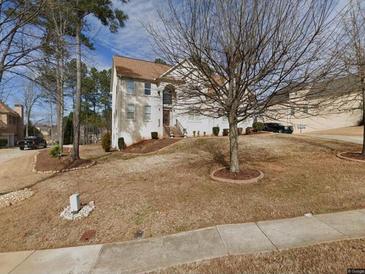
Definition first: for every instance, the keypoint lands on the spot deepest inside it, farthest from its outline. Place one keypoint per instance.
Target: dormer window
(147, 88)
(130, 87)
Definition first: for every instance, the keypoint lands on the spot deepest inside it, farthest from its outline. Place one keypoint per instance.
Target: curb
(339, 155)
(58, 171)
(223, 180)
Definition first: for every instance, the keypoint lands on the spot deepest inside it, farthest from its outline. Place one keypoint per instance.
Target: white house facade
(144, 98)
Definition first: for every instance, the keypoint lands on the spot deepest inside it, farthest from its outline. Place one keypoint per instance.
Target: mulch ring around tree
(147, 146)
(46, 163)
(352, 156)
(245, 176)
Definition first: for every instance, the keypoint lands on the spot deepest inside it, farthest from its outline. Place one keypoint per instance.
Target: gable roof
(6, 109)
(138, 69)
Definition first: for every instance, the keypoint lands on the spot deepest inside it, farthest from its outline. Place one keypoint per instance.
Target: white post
(75, 203)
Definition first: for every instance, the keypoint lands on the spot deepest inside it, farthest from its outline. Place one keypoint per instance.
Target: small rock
(138, 234)
(308, 214)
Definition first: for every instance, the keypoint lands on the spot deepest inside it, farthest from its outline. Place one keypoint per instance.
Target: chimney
(20, 110)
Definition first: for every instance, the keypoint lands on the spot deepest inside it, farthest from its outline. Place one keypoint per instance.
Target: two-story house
(11, 124)
(324, 105)
(144, 100)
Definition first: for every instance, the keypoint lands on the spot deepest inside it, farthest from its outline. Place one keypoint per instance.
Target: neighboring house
(49, 133)
(11, 124)
(326, 105)
(144, 100)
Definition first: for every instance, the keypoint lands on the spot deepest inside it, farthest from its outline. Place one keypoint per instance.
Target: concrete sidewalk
(222, 240)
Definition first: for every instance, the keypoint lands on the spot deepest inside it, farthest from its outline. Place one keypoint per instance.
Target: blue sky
(132, 40)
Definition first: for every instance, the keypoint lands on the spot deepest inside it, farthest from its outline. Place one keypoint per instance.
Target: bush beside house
(106, 141)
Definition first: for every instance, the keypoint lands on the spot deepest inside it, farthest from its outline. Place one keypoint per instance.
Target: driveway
(16, 169)
(12, 153)
(348, 134)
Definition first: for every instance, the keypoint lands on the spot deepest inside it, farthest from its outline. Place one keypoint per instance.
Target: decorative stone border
(339, 155)
(223, 180)
(58, 171)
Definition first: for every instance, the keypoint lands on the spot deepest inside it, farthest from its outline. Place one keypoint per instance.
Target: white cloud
(132, 40)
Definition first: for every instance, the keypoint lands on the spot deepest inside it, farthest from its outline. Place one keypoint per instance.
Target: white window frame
(145, 88)
(147, 118)
(128, 83)
(128, 111)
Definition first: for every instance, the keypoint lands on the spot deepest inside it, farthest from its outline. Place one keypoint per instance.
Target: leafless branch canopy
(244, 54)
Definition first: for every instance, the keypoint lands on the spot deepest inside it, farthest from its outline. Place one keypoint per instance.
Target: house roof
(323, 89)
(6, 109)
(139, 69)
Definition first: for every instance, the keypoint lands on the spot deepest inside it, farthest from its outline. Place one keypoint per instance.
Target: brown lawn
(331, 258)
(170, 191)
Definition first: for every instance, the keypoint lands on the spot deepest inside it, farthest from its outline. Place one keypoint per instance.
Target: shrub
(215, 131)
(258, 126)
(121, 143)
(225, 131)
(249, 130)
(154, 135)
(106, 141)
(55, 151)
(3, 142)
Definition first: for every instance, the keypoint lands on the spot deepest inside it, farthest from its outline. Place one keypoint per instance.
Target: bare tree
(58, 20)
(242, 54)
(30, 97)
(353, 55)
(17, 40)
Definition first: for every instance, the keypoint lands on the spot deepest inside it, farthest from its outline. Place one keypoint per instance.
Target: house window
(147, 88)
(167, 97)
(306, 109)
(131, 109)
(130, 86)
(147, 113)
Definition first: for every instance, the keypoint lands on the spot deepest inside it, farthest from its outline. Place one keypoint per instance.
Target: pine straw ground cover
(170, 191)
(332, 258)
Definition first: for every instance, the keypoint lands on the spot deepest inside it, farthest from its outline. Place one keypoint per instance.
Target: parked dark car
(279, 128)
(32, 142)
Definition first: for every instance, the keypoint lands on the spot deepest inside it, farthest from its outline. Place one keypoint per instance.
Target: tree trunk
(27, 128)
(59, 105)
(363, 113)
(233, 144)
(76, 114)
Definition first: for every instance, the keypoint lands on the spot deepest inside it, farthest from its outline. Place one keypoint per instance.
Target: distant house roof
(139, 69)
(6, 109)
(323, 89)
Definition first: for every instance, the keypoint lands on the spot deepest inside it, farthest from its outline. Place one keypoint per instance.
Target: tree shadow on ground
(218, 155)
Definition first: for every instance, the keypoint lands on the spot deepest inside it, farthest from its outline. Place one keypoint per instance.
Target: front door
(166, 117)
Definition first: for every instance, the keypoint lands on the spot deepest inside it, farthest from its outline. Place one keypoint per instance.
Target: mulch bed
(152, 145)
(354, 155)
(46, 162)
(244, 174)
